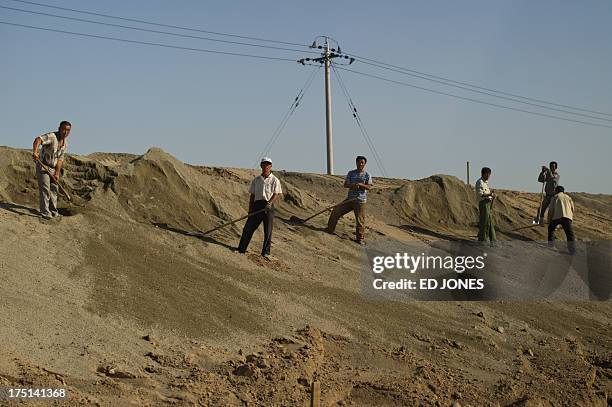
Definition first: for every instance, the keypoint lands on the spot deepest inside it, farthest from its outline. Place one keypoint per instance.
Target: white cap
(266, 160)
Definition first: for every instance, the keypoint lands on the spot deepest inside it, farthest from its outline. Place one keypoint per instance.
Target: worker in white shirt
(265, 190)
(561, 212)
(486, 228)
(50, 150)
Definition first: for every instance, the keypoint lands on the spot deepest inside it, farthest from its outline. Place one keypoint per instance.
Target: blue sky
(211, 109)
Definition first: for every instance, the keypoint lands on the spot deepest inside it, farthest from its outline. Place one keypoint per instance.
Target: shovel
(296, 220)
(201, 234)
(536, 221)
(48, 171)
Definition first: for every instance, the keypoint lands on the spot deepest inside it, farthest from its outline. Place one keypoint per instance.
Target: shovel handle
(328, 208)
(540, 214)
(234, 221)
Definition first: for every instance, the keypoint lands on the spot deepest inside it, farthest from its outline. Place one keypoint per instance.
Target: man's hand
(354, 187)
(544, 168)
(55, 178)
(269, 205)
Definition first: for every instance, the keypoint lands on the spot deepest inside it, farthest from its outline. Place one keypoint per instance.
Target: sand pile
(119, 305)
(437, 200)
(157, 188)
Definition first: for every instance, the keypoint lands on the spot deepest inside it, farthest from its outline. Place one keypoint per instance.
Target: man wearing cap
(358, 182)
(265, 190)
(561, 213)
(51, 154)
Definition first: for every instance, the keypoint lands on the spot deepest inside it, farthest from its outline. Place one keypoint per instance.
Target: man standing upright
(265, 190)
(550, 177)
(52, 154)
(486, 228)
(561, 212)
(358, 182)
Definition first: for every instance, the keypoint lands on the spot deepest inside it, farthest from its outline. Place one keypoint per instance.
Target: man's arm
(58, 171)
(251, 201)
(356, 185)
(366, 185)
(272, 200)
(544, 175)
(35, 148)
(348, 185)
(481, 193)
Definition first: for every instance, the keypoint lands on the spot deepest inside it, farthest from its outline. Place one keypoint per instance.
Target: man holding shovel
(561, 213)
(358, 182)
(486, 228)
(51, 156)
(549, 177)
(265, 191)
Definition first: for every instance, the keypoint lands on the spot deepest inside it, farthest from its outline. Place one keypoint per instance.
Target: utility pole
(328, 110)
(327, 55)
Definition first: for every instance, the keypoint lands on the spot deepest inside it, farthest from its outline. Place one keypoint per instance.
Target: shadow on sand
(196, 234)
(19, 209)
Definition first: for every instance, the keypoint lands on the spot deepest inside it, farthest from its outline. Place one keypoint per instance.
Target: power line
(160, 24)
(152, 31)
(364, 133)
(148, 43)
(357, 116)
(363, 59)
(513, 99)
(296, 102)
(480, 87)
(476, 100)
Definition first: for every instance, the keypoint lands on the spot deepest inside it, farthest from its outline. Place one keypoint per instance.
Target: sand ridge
(82, 293)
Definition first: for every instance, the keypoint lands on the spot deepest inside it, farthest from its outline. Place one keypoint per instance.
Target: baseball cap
(266, 160)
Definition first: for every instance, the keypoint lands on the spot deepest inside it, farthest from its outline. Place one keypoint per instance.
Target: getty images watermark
(463, 270)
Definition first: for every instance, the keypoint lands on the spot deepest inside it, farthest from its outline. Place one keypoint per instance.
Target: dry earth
(117, 303)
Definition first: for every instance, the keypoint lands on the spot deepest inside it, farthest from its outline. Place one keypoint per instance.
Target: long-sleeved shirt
(561, 206)
(482, 190)
(551, 181)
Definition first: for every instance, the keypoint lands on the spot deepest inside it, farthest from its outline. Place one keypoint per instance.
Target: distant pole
(327, 55)
(315, 394)
(468, 172)
(328, 110)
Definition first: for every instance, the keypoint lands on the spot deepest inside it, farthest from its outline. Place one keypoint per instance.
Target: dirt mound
(122, 312)
(157, 188)
(438, 199)
(17, 175)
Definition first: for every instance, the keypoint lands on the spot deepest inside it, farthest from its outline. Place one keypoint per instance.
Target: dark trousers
(253, 222)
(566, 224)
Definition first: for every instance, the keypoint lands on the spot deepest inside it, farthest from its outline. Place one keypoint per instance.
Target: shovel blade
(295, 220)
